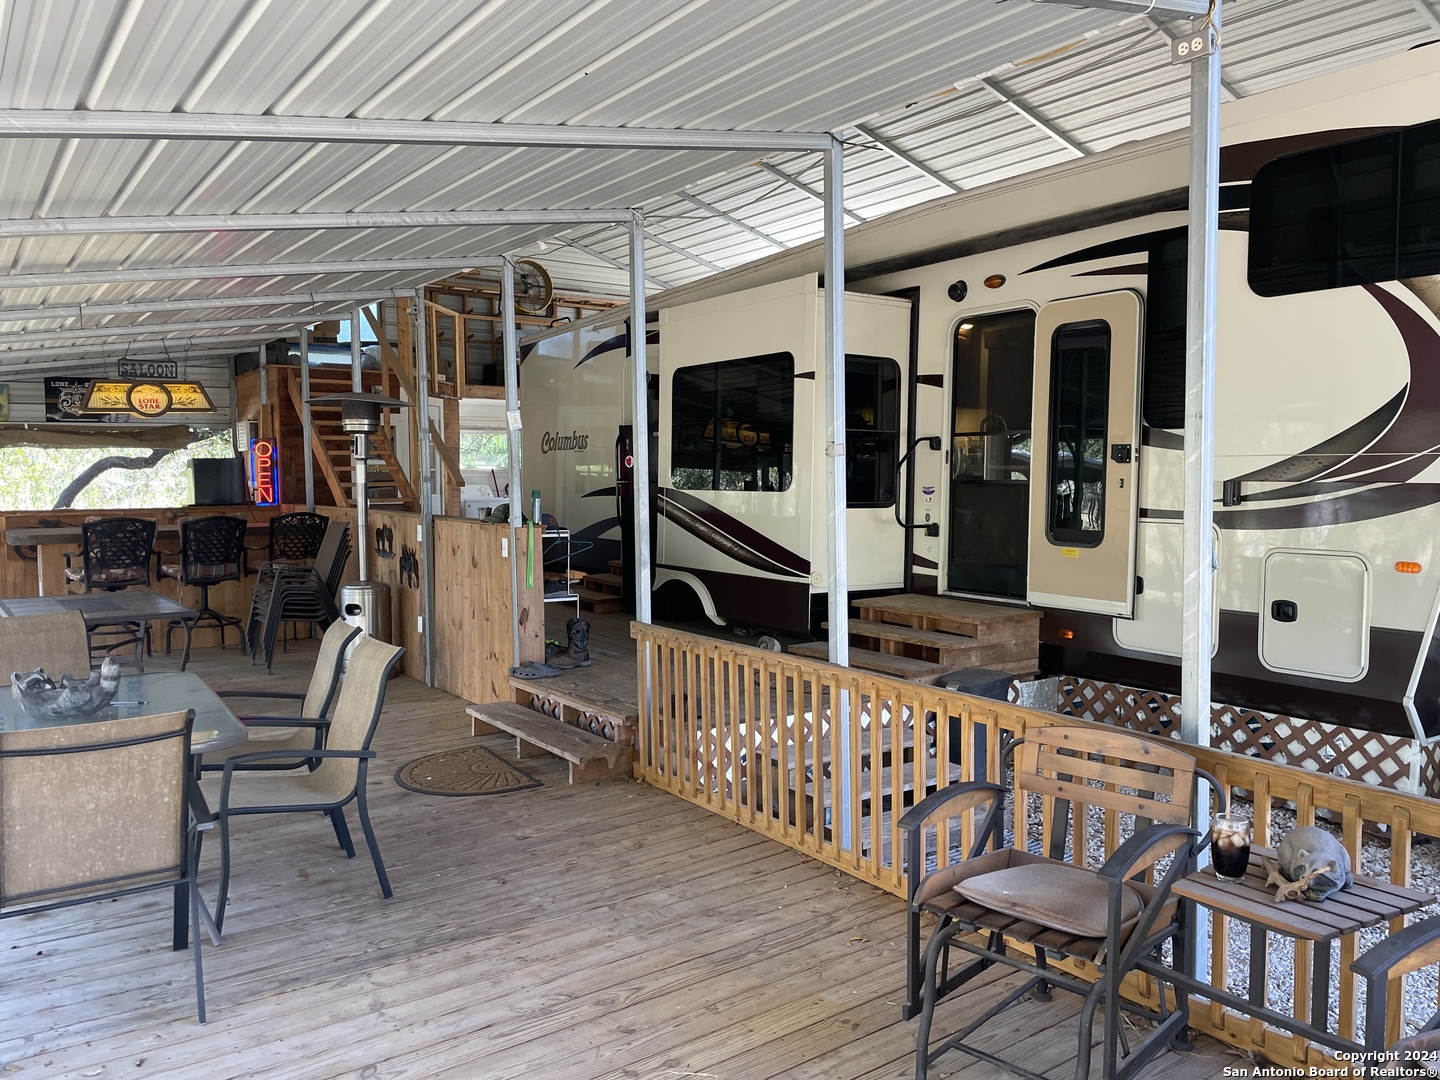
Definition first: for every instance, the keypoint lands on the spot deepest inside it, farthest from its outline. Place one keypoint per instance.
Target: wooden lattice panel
(1329, 749)
(617, 729)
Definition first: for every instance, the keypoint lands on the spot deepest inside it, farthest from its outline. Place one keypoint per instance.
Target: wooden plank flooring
(600, 931)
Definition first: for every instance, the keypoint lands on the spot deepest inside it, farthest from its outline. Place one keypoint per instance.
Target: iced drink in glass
(1230, 846)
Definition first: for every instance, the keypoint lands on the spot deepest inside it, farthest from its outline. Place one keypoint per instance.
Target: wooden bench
(591, 757)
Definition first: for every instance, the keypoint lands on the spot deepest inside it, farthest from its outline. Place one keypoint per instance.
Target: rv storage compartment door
(1083, 504)
(1315, 614)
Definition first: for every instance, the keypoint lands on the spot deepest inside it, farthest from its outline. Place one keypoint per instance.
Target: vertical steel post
(640, 409)
(1199, 543)
(512, 415)
(356, 383)
(306, 422)
(264, 392)
(837, 563)
(427, 479)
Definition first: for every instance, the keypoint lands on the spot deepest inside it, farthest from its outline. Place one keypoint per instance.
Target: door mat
(470, 771)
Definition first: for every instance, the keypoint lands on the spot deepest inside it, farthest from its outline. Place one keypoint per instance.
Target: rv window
(872, 429)
(1079, 408)
(732, 425)
(1362, 211)
(1164, 401)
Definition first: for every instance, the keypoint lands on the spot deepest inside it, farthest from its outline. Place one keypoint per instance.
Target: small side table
(1368, 902)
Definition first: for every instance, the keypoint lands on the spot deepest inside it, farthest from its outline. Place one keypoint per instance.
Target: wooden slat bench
(591, 757)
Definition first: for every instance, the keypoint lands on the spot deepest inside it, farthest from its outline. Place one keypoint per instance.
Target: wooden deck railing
(749, 734)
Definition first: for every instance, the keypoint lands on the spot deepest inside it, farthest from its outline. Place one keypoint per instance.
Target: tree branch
(81, 482)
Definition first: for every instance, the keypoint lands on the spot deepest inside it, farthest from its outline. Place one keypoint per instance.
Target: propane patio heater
(363, 603)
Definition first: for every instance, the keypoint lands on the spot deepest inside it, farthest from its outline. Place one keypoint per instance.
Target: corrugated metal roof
(791, 65)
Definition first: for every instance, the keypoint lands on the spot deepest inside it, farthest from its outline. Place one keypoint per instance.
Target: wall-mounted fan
(533, 290)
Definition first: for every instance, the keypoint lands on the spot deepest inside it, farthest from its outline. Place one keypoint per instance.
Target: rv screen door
(1086, 432)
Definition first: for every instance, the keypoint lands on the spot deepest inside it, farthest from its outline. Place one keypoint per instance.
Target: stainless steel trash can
(366, 604)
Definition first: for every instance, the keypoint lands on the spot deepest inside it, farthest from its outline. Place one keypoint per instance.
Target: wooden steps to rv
(903, 666)
(918, 637)
(602, 592)
(591, 756)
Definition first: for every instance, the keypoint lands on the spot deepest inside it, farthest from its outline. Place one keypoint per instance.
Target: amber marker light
(994, 281)
(1407, 568)
(1067, 635)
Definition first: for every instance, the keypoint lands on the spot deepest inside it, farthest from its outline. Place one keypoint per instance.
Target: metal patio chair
(302, 732)
(1112, 916)
(99, 811)
(336, 782)
(212, 551)
(115, 553)
(284, 593)
(58, 643)
(295, 538)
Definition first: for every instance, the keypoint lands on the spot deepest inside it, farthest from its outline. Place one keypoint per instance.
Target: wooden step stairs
(388, 487)
(919, 637)
(602, 592)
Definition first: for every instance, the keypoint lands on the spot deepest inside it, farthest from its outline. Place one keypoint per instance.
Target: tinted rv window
(732, 425)
(1079, 408)
(872, 429)
(1164, 401)
(1363, 211)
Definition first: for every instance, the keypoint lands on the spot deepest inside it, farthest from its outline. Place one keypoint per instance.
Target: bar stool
(115, 554)
(212, 551)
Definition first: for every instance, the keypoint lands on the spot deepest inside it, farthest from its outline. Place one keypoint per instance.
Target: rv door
(1083, 503)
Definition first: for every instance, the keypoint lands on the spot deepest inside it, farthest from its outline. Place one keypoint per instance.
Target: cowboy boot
(578, 654)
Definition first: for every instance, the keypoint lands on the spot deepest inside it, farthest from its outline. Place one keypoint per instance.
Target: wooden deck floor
(601, 931)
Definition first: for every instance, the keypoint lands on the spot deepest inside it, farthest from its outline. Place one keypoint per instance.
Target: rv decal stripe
(1364, 505)
(619, 341)
(1333, 452)
(729, 535)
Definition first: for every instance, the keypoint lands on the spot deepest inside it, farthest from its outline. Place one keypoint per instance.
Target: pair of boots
(576, 653)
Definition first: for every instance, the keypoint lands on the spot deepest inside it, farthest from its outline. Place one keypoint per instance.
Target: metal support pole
(640, 474)
(1199, 543)
(837, 562)
(512, 427)
(426, 472)
(264, 393)
(355, 380)
(306, 422)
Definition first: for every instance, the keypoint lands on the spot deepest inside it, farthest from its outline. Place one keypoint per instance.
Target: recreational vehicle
(1015, 410)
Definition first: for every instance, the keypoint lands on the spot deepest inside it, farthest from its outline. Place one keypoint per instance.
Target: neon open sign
(264, 472)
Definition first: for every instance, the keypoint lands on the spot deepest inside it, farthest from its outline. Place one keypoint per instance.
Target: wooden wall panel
(472, 618)
(18, 575)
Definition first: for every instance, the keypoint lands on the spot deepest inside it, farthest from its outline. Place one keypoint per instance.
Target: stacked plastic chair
(287, 593)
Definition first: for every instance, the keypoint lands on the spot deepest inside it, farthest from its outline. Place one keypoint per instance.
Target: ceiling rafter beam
(220, 271)
(37, 367)
(1428, 13)
(1226, 85)
(723, 216)
(682, 252)
(1013, 100)
(201, 303)
(129, 331)
(1161, 9)
(191, 223)
(232, 343)
(595, 254)
(100, 124)
(882, 143)
(800, 185)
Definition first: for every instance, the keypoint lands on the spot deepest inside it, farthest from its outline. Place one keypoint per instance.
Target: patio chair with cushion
(56, 643)
(98, 811)
(303, 732)
(1110, 916)
(115, 553)
(336, 782)
(212, 551)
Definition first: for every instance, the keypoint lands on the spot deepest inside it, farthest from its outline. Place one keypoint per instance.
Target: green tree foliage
(32, 477)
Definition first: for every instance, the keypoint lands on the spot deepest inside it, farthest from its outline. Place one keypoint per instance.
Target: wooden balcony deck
(601, 931)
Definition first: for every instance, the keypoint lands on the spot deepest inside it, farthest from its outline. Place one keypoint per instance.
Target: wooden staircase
(388, 486)
(919, 637)
(602, 592)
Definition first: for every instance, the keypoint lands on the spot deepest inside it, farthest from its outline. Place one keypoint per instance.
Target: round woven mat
(471, 771)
